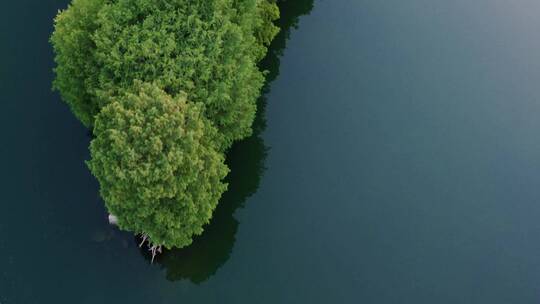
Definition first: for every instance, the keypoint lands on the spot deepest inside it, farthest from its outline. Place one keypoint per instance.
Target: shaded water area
(395, 159)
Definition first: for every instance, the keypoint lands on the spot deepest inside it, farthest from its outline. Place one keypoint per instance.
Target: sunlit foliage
(154, 158)
(167, 86)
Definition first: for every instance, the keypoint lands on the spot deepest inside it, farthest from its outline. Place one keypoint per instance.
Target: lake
(396, 159)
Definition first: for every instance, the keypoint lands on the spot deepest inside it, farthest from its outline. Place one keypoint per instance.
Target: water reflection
(246, 160)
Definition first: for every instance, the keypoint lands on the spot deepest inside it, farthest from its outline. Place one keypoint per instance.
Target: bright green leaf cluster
(168, 86)
(158, 169)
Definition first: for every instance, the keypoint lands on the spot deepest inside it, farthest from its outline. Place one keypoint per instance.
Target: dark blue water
(396, 159)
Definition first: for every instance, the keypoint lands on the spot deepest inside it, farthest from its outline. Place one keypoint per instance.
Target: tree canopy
(167, 86)
(208, 49)
(154, 158)
(76, 66)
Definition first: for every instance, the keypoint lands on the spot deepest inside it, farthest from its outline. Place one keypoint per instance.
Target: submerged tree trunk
(155, 249)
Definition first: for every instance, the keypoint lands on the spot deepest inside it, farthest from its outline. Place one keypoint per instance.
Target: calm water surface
(396, 159)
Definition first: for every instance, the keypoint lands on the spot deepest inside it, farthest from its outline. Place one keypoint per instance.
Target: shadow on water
(246, 160)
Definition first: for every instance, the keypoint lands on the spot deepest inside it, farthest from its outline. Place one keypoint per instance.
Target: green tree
(208, 49)
(168, 86)
(157, 166)
(265, 30)
(76, 68)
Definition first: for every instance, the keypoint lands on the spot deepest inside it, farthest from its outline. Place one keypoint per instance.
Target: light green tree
(76, 67)
(157, 166)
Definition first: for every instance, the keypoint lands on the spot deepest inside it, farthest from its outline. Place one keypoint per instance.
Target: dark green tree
(157, 166)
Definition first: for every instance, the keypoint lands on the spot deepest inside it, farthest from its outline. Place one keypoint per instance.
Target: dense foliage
(167, 86)
(208, 49)
(76, 64)
(155, 162)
